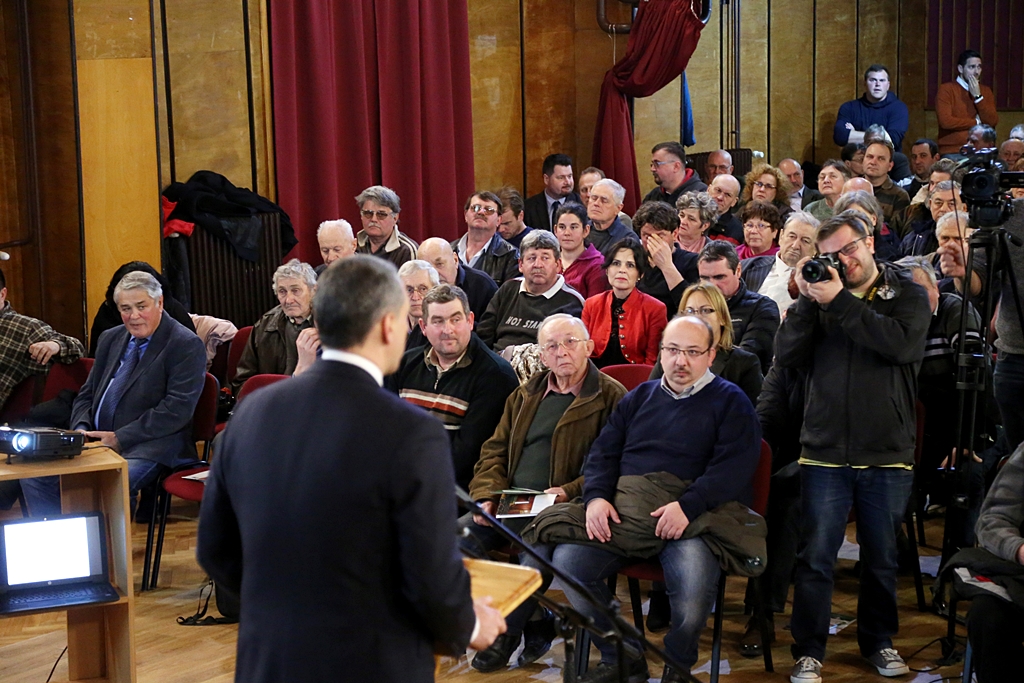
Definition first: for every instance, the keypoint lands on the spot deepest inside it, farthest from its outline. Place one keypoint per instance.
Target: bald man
(801, 195)
(478, 285)
(858, 184)
(718, 163)
(1011, 151)
(725, 190)
(336, 241)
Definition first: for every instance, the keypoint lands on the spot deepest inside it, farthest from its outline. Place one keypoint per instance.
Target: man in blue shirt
(876, 105)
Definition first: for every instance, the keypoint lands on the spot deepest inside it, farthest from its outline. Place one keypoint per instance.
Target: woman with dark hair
(765, 183)
(581, 261)
(625, 323)
(108, 316)
(761, 224)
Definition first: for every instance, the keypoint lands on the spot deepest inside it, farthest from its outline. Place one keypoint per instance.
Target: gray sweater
(1000, 526)
(1011, 338)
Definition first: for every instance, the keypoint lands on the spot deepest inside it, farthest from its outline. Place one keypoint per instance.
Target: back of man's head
(352, 296)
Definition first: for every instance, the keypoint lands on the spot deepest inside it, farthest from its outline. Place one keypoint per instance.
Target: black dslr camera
(816, 270)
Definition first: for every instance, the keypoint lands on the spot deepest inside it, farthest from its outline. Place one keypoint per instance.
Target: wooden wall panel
(755, 76)
(656, 120)
(494, 57)
(878, 38)
(791, 121)
(119, 168)
(14, 226)
(835, 70)
(703, 77)
(911, 85)
(112, 29)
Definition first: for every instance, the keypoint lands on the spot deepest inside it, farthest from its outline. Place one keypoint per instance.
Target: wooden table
(101, 638)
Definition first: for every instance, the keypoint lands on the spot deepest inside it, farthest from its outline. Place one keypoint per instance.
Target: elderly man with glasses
(860, 336)
(379, 207)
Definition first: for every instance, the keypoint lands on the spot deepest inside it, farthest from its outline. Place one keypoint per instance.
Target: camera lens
(815, 271)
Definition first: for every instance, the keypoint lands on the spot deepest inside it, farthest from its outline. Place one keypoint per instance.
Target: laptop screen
(60, 549)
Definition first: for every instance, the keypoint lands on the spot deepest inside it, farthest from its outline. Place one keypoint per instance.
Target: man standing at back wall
(558, 188)
(964, 103)
(876, 106)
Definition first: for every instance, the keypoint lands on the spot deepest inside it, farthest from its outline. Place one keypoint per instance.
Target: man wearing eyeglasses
(696, 427)
(540, 443)
(379, 207)
(482, 247)
(860, 336)
(668, 166)
(725, 190)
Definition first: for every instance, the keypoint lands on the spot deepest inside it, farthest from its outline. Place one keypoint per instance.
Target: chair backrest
(629, 375)
(219, 366)
(19, 401)
(258, 382)
(71, 376)
(204, 417)
(235, 350)
(762, 480)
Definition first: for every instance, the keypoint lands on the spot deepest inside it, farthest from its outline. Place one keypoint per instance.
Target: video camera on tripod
(984, 188)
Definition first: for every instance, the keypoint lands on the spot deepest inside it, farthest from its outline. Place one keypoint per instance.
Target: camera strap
(870, 296)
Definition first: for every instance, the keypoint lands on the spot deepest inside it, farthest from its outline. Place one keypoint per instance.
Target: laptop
(54, 562)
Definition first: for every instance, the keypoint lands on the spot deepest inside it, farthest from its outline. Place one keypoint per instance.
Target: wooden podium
(101, 638)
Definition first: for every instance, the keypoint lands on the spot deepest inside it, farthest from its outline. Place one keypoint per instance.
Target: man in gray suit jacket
(140, 395)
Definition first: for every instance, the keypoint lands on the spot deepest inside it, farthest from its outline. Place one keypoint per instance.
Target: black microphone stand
(569, 619)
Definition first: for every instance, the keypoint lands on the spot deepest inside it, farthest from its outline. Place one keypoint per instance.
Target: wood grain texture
(835, 69)
(596, 53)
(878, 38)
(656, 120)
(755, 75)
(912, 86)
(703, 75)
(792, 85)
(119, 168)
(112, 29)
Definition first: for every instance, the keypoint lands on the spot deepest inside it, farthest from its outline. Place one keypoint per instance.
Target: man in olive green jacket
(544, 434)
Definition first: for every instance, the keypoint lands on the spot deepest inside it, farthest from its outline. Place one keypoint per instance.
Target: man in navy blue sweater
(698, 427)
(877, 105)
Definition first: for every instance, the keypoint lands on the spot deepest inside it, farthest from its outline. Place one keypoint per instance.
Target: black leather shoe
(750, 643)
(609, 673)
(670, 675)
(496, 656)
(659, 613)
(538, 635)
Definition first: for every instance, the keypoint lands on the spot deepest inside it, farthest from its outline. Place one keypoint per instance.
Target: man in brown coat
(540, 443)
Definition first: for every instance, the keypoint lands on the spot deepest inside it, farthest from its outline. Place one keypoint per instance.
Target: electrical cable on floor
(56, 663)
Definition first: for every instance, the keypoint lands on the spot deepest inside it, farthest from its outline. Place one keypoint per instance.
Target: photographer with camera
(858, 328)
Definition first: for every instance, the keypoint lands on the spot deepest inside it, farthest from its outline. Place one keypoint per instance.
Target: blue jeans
(1008, 384)
(691, 578)
(42, 494)
(880, 496)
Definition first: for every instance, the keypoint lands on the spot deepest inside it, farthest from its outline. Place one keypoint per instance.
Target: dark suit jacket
(809, 195)
(754, 270)
(330, 508)
(535, 210)
(153, 419)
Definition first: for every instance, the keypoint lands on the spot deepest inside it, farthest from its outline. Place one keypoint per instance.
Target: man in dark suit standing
(558, 188)
(140, 395)
(329, 509)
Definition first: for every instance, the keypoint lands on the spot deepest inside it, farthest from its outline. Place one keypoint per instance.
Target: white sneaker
(889, 663)
(806, 670)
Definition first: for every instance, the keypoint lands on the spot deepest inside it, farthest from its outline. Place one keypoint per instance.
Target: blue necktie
(105, 419)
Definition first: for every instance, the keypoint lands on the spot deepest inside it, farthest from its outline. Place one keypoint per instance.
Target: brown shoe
(750, 643)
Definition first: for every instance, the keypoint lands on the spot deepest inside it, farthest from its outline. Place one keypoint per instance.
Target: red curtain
(371, 92)
(663, 37)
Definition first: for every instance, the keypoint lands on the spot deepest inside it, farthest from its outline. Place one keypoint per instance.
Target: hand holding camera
(820, 278)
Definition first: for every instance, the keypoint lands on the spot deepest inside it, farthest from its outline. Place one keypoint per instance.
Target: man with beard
(558, 188)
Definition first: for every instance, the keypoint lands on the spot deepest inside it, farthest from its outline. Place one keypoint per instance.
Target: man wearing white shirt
(801, 195)
(770, 275)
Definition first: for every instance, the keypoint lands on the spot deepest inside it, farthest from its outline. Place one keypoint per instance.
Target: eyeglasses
(703, 311)
(656, 164)
(421, 290)
(849, 249)
(763, 186)
(750, 225)
(674, 351)
(368, 215)
(485, 210)
(569, 345)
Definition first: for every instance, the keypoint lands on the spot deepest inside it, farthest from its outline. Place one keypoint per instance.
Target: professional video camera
(984, 187)
(816, 270)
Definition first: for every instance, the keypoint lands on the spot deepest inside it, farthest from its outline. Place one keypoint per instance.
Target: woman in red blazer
(625, 323)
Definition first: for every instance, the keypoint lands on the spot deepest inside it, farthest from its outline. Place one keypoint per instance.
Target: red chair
(629, 375)
(235, 351)
(71, 376)
(650, 570)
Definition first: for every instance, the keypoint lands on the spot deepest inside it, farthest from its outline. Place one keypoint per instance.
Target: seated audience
(668, 165)
(271, 348)
(418, 277)
(540, 443)
(857, 183)
(877, 164)
(588, 178)
(831, 178)
(482, 247)
(478, 285)
(625, 324)
(800, 195)
(107, 315)
(953, 235)
(606, 224)
(521, 304)
(708, 435)
(672, 268)
(755, 318)
(697, 213)
(336, 242)
(995, 625)
(771, 275)
(379, 207)
(718, 162)
(27, 346)
(766, 183)
(900, 163)
(558, 189)
(725, 190)
(581, 261)
(761, 225)
(512, 227)
(1011, 151)
(886, 241)
(455, 377)
(921, 239)
(852, 155)
(923, 154)
(140, 395)
(981, 137)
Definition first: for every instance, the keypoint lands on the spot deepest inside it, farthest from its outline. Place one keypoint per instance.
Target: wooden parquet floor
(169, 653)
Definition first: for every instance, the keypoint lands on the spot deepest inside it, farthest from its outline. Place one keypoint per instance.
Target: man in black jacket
(455, 377)
(673, 269)
(755, 317)
(356, 570)
(668, 166)
(482, 247)
(539, 210)
(860, 336)
(478, 286)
